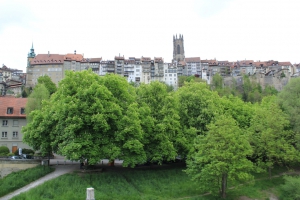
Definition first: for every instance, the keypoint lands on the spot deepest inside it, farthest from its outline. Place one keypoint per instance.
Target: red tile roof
(192, 59)
(41, 59)
(74, 57)
(15, 103)
(119, 58)
(146, 59)
(158, 59)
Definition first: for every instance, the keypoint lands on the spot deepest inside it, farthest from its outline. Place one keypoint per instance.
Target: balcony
(111, 69)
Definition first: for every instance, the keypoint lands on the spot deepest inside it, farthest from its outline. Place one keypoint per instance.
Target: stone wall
(7, 166)
(275, 81)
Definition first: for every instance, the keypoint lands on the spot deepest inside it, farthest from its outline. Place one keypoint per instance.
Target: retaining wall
(8, 166)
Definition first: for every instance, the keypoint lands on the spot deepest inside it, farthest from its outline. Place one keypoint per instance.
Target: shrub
(290, 189)
(4, 151)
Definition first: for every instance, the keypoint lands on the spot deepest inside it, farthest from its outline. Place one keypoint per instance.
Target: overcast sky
(222, 29)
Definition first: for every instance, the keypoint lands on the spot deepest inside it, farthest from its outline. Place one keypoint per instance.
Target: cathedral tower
(178, 48)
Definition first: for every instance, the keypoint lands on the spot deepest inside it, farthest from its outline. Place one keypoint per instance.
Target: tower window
(178, 49)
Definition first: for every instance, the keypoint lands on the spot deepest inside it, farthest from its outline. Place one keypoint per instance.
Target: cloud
(14, 13)
(208, 8)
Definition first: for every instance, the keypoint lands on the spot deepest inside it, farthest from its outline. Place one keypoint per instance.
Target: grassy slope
(139, 184)
(19, 179)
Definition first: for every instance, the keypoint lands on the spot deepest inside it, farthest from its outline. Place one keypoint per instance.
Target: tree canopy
(220, 156)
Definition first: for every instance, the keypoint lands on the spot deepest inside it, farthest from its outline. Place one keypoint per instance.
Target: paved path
(59, 170)
(61, 167)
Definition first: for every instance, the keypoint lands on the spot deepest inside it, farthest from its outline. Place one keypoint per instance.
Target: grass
(139, 183)
(19, 179)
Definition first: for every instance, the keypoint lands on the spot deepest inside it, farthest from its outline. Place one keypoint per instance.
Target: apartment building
(12, 118)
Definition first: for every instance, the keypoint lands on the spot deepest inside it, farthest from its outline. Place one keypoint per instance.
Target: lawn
(19, 179)
(140, 183)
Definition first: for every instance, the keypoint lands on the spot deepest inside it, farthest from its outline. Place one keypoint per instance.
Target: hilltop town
(146, 69)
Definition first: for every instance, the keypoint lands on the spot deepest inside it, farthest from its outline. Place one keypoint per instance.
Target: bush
(290, 189)
(24, 151)
(4, 151)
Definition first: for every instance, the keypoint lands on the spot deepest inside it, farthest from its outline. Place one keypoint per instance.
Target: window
(4, 134)
(170, 74)
(15, 134)
(22, 111)
(178, 49)
(10, 110)
(4, 123)
(15, 123)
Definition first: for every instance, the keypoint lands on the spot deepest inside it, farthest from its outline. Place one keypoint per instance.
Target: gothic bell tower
(178, 48)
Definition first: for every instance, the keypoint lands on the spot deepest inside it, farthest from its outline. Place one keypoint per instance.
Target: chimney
(48, 54)
(75, 52)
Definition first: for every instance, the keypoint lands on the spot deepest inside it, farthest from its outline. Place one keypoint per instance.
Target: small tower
(30, 56)
(178, 48)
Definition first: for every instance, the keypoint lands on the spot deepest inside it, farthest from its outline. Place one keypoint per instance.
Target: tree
(160, 121)
(271, 138)
(85, 119)
(288, 99)
(197, 106)
(217, 82)
(290, 188)
(35, 99)
(183, 79)
(46, 80)
(220, 156)
(241, 111)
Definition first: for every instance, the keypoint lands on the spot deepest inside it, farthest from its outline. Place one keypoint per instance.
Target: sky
(213, 29)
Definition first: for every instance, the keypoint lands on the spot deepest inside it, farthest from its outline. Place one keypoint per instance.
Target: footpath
(61, 167)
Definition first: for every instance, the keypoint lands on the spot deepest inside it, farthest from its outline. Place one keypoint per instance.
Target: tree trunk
(224, 186)
(270, 173)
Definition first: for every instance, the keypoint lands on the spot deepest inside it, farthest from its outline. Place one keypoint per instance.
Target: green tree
(271, 138)
(197, 105)
(290, 188)
(288, 99)
(241, 111)
(220, 156)
(183, 79)
(35, 99)
(217, 82)
(160, 121)
(46, 80)
(37, 133)
(85, 119)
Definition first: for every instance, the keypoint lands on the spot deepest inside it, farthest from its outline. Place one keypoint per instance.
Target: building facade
(12, 118)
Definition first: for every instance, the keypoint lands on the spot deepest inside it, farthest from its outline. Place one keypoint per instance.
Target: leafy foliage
(288, 99)
(271, 139)
(220, 156)
(35, 99)
(160, 121)
(46, 80)
(290, 189)
(4, 150)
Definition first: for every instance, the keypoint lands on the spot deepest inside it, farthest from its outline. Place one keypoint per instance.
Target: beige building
(12, 118)
(55, 65)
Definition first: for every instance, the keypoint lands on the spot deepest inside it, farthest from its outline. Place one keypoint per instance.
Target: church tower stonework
(178, 48)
